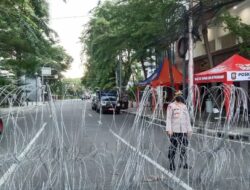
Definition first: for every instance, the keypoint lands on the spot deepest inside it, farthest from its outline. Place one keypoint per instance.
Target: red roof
(164, 77)
(236, 68)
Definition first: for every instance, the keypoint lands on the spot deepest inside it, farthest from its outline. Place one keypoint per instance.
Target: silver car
(108, 104)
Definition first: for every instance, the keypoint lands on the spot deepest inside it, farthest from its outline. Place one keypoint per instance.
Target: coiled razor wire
(71, 153)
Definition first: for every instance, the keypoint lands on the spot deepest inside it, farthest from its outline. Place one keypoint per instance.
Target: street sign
(46, 71)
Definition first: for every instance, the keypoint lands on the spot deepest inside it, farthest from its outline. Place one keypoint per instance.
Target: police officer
(178, 128)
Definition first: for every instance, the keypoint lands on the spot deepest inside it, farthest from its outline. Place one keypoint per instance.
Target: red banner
(218, 77)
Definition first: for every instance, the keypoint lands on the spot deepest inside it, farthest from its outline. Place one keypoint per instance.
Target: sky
(67, 19)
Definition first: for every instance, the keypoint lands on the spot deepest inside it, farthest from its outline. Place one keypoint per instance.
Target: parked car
(85, 96)
(94, 102)
(108, 104)
(124, 101)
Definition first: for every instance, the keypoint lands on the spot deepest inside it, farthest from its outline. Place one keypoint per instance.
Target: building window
(228, 40)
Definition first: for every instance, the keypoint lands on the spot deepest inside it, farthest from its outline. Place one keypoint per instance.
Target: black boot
(172, 166)
(180, 165)
(186, 166)
(182, 162)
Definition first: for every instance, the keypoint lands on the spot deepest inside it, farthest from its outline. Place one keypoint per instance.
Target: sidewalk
(236, 133)
(11, 109)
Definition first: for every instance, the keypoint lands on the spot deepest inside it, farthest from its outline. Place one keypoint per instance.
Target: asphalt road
(66, 145)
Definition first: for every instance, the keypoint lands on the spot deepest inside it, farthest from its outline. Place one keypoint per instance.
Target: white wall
(243, 11)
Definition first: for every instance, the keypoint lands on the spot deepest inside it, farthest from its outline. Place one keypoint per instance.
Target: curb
(222, 134)
(209, 132)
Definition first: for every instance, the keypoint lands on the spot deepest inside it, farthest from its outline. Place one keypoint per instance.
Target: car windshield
(108, 98)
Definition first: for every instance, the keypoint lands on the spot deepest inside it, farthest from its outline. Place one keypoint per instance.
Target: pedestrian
(178, 128)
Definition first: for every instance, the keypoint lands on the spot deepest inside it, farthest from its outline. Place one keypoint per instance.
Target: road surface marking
(90, 115)
(158, 166)
(21, 156)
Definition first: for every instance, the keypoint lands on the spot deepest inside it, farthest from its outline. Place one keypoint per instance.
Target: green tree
(121, 32)
(239, 29)
(26, 41)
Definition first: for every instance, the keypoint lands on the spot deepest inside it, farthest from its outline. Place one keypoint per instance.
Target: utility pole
(120, 74)
(190, 61)
(45, 71)
(26, 94)
(36, 86)
(42, 89)
(184, 78)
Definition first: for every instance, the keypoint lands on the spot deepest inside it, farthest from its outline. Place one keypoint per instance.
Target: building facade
(222, 43)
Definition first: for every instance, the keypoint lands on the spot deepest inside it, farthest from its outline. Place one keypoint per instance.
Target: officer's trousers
(178, 140)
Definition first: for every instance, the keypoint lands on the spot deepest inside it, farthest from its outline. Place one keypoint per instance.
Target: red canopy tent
(235, 68)
(164, 77)
(161, 77)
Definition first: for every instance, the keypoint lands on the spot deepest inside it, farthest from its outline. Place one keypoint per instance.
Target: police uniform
(178, 121)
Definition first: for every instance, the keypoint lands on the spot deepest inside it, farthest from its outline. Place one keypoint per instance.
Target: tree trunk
(127, 74)
(206, 43)
(127, 70)
(170, 68)
(144, 68)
